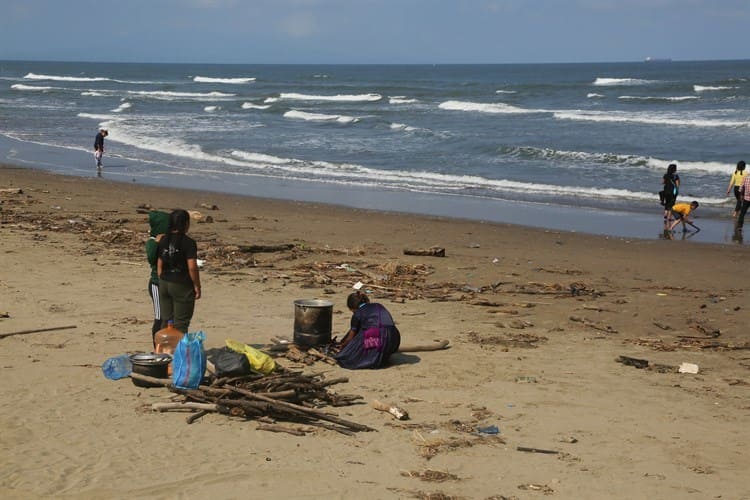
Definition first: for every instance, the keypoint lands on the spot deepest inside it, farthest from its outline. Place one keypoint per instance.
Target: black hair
(179, 222)
(695, 204)
(672, 168)
(740, 166)
(356, 299)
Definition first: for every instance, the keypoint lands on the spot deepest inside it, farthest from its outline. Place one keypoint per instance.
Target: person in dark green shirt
(159, 224)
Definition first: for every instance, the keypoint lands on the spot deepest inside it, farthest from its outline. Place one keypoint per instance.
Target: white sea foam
(262, 158)
(654, 119)
(339, 97)
(122, 107)
(400, 99)
(497, 107)
(404, 127)
(303, 115)
(211, 109)
(174, 96)
(711, 167)
(93, 93)
(236, 81)
(614, 82)
(594, 95)
(34, 76)
(658, 98)
(32, 88)
(703, 88)
(505, 91)
(271, 100)
(250, 105)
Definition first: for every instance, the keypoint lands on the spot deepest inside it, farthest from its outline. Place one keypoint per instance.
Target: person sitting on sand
(177, 267)
(681, 212)
(372, 337)
(159, 225)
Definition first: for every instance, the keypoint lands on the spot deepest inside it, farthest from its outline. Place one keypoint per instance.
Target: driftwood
(265, 248)
(426, 252)
(438, 345)
(536, 450)
(38, 330)
(295, 431)
(395, 411)
(591, 324)
(627, 360)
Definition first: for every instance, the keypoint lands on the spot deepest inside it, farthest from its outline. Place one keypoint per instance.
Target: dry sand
(536, 360)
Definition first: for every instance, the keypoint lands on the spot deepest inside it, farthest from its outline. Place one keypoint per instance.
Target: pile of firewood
(284, 396)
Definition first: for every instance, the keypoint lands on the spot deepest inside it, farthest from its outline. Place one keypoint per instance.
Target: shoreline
(593, 221)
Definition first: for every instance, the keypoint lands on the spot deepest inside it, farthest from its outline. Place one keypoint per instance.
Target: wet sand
(536, 320)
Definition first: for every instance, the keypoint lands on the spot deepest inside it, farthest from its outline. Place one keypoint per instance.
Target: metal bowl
(150, 358)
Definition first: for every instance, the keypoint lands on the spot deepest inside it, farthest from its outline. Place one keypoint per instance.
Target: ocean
(577, 147)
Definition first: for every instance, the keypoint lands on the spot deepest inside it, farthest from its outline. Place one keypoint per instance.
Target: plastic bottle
(117, 367)
(166, 341)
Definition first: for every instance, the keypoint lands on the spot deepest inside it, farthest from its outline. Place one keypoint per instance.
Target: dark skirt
(359, 354)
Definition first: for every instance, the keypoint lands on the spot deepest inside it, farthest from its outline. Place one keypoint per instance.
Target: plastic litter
(688, 368)
(490, 429)
(117, 367)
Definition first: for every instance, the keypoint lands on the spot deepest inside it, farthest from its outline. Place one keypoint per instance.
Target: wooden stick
(436, 346)
(195, 416)
(304, 410)
(280, 428)
(161, 407)
(536, 450)
(38, 330)
(395, 411)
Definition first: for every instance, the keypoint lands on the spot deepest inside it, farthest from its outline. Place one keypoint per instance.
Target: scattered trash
(490, 429)
(688, 368)
(200, 262)
(398, 413)
(568, 439)
(527, 380)
(358, 285)
(495, 260)
(638, 363)
(117, 367)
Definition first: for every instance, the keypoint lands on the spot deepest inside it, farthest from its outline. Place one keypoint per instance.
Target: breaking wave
(303, 115)
(236, 81)
(293, 96)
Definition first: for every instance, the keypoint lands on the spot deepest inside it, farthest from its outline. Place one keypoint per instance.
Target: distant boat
(657, 60)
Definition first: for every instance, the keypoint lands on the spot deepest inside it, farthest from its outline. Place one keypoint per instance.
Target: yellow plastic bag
(259, 360)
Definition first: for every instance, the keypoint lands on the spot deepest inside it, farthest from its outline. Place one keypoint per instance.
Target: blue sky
(373, 31)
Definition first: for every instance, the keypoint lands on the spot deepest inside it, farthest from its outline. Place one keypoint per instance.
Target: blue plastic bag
(189, 361)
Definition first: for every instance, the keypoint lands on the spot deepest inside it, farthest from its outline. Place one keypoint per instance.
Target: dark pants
(737, 195)
(743, 211)
(177, 303)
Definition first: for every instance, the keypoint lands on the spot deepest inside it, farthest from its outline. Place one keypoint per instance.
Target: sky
(373, 31)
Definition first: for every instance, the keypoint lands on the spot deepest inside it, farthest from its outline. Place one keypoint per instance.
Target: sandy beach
(536, 321)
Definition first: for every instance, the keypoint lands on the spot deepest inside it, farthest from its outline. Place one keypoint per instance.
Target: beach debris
(522, 340)
(526, 379)
(568, 439)
(429, 448)
(37, 330)
(688, 368)
(208, 206)
(536, 487)
(637, 363)
(397, 412)
(285, 395)
(593, 324)
(536, 450)
(488, 429)
(4, 314)
(431, 475)
(282, 247)
(426, 252)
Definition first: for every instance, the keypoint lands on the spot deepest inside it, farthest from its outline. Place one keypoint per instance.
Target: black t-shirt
(174, 251)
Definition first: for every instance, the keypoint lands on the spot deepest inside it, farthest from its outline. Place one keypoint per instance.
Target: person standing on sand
(159, 225)
(736, 182)
(99, 146)
(671, 182)
(177, 268)
(745, 193)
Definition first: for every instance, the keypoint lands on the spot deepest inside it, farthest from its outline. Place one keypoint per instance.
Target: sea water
(569, 146)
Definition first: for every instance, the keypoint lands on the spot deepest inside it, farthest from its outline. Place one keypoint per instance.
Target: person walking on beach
(671, 182)
(736, 182)
(177, 268)
(681, 212)
(745, 193)
(99, 146)
(159, 225)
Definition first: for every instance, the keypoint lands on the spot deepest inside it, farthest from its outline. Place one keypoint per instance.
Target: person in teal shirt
(159, 225)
